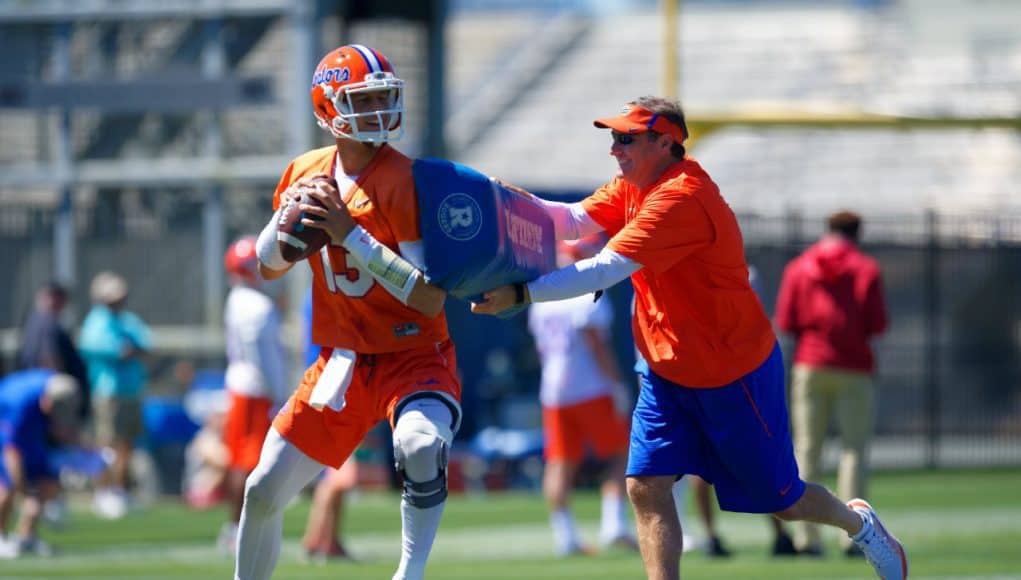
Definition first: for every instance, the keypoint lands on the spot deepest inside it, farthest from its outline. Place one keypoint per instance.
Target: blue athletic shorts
(36, 465)
(735, 437)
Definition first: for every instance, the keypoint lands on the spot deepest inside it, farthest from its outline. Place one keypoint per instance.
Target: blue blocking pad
(477, 234)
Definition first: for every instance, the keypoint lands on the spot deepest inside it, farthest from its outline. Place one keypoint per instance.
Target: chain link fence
(949, 367)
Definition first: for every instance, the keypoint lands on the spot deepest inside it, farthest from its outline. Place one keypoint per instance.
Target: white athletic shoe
(880, 547)
(227, 540)
(110, 504)
(9, 548)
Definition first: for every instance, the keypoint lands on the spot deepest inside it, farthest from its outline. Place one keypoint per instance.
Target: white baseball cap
(108, 288)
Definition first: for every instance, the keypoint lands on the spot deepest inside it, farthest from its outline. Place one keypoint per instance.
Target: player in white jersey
(256, 379)
(584, 405)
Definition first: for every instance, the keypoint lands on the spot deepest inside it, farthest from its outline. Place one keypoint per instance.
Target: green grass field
(955, 524)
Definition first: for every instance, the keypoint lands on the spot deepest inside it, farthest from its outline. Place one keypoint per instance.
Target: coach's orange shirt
(697, 320)
(349, 308)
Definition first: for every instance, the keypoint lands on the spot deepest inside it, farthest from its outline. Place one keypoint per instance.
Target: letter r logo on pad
(459, 216)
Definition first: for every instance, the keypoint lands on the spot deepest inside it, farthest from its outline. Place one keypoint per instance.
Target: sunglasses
(622, 138)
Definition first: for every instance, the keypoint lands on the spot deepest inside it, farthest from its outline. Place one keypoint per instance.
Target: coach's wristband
(520, 293)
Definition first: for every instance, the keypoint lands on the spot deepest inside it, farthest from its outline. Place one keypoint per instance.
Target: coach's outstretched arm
(589, 275)
(570, 220)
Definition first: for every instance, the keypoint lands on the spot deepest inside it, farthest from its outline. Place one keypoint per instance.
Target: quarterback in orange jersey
(712, 402)
(386, 351)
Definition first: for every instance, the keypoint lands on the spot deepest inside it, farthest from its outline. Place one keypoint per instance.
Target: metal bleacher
(141, 136)
(891, 59)
(499, 59)
(114, 65)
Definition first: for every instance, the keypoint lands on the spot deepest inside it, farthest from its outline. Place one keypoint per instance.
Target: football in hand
(298, 241)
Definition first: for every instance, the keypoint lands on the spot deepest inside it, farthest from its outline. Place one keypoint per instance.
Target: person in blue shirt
(113, 342)
(39, 409)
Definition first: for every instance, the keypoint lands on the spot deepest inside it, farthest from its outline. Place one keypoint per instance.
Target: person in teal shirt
(113, 343)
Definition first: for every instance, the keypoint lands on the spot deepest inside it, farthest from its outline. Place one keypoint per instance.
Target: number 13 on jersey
(342, 275)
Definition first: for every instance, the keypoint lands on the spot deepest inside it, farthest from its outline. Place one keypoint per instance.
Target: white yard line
(525, 541)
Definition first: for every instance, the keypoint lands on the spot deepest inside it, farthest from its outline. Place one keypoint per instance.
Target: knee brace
(421, 443)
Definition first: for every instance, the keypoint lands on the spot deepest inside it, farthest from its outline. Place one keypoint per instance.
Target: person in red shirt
(386, 352)
(712, 402)
(831, 301)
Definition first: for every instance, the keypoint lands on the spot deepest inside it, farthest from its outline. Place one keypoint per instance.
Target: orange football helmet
(241, 260)
(348, 71)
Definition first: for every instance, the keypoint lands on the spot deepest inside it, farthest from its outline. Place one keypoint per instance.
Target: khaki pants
(817, 394)
(117, 419)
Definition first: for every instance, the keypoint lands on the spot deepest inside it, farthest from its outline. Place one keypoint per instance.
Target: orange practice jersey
(349, 308)
(697, 320)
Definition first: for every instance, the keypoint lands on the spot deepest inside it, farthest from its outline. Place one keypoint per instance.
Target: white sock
(417, 534)
(565, 533)
(866, 527)
(614, 522)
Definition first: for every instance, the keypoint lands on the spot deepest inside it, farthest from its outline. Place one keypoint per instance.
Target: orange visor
(635, 119)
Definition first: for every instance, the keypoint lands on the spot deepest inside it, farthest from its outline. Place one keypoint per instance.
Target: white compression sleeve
(570, 220)
(386, 266)
(267, 248)
(589, 275)
(413, 252)
(282, 471)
